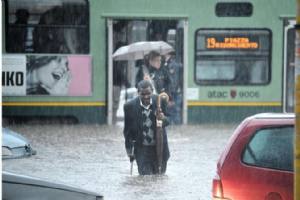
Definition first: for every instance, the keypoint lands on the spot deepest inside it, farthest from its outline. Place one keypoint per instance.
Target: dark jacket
(159, 76)
(175, 72)
(133, 129)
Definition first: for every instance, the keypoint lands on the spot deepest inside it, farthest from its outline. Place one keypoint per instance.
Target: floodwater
(93, 157)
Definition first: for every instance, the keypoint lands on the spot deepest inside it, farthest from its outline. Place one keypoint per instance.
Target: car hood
(14, 145)
(51, 190)
(12, 139)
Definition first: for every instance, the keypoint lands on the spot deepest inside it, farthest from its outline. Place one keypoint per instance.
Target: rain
(66, 78)
(93, 157)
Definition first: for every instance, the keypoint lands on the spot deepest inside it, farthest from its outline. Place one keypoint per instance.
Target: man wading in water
(141, 120)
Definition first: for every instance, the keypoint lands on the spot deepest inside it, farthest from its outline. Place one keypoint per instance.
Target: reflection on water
(93, 157)
(147, 187)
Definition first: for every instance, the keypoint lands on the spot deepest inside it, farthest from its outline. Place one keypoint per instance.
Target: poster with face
(46, 75)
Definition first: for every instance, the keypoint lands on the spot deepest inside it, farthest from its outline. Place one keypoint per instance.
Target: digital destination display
(231, 42)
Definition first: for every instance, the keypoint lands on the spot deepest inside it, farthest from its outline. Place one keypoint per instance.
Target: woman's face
(155, 62)
(52, 72)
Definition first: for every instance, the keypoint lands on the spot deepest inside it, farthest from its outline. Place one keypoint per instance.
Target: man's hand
(160, 115)
(130, 155)
(131, 158)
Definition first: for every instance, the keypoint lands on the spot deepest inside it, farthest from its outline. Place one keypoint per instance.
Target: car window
(271, 148)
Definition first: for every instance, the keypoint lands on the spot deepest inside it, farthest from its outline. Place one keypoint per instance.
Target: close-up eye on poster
(150, 99)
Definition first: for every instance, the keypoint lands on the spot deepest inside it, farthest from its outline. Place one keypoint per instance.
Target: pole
(297, 108)
(110, 73)
(132, 156)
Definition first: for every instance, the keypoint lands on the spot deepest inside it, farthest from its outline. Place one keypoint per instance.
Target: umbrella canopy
(138, 50)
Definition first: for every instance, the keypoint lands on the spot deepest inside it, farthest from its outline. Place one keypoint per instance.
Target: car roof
(274, 116)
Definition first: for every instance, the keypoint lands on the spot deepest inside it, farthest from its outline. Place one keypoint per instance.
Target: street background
(93, 157)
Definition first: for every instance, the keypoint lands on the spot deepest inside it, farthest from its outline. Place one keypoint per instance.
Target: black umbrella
(159, 131)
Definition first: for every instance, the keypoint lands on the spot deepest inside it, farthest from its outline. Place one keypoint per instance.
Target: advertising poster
(80, 68)
(46, 75)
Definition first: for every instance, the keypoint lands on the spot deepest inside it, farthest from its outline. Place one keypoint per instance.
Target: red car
(257, 163)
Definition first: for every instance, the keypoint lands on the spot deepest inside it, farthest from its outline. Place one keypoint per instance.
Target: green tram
(237, 56)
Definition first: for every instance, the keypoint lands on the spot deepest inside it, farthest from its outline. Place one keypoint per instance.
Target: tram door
(289, 67)
(128, 31)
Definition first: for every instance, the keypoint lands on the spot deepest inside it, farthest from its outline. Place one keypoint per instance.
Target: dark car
(257, 163)
(16, 187)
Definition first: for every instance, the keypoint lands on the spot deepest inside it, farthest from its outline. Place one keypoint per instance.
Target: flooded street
(93, 157)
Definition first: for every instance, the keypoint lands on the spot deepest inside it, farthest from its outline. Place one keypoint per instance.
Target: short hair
(153, 54)
(35, 62)
(172, 53)
(143, 84)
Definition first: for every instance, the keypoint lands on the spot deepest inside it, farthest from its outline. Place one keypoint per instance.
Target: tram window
(47, 26)
(210, 70)
(232, 57)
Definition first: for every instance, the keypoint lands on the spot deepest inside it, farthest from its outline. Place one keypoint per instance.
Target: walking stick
(159, 131)
(132, 157)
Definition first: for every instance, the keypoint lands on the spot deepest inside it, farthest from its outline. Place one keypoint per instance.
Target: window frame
(236, 6)
(255, 132)
(288, 70)
(73, 26)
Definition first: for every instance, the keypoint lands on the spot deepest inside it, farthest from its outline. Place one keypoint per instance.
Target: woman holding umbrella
(153, 71)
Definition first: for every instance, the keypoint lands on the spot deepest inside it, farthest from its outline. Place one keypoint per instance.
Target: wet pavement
(93, 157)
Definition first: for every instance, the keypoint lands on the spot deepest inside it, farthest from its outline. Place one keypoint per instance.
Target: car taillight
(217, 189)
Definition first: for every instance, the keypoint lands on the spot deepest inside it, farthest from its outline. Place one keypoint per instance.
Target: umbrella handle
(165, 96)
(162, 95)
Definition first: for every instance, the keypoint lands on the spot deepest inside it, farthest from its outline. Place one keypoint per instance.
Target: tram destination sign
(230, 42)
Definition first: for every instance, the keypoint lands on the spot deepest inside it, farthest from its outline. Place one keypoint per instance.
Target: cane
(132, 157)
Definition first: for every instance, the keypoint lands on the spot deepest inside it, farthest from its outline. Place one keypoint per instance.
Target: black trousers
(146, 160)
